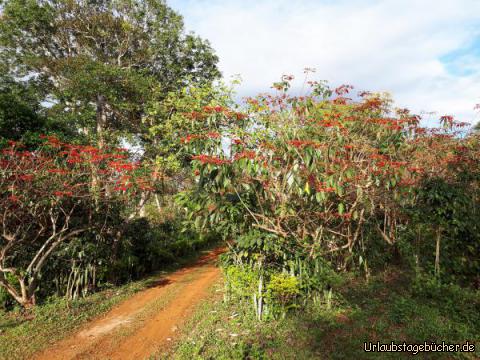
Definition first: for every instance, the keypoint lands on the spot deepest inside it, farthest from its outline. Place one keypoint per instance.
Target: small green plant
(240, 281)
(402, 310)
(281, 292)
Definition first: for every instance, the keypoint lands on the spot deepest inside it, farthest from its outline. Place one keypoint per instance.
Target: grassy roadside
(23, 335)
(388, 308)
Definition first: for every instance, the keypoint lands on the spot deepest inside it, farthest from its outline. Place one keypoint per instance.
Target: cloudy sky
(426, 53)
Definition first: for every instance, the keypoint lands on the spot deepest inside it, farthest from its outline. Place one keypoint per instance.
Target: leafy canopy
(82, 49)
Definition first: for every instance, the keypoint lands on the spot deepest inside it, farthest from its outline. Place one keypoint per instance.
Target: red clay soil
(102, 337)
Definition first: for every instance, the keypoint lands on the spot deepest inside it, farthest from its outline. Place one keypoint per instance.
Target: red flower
(74, 160)
(329, 189)
(206, 159)
(407, 182)
(90, 150)
(8, 152)
(26, 177)
(189, 138)
(397, 164)
(213, 135)
(25, 154)
(245, 155)
(415, 169)
(446, 119)
(4, 164)
(343, 89)
(58, 171)
(119, 166)
(240, 116)
(13, 198)
(63, 193)
(302, 143)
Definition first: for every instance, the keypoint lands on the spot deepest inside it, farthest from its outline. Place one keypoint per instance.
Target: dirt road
(146, 322)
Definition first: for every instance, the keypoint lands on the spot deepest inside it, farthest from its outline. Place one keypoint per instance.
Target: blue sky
(426, 53)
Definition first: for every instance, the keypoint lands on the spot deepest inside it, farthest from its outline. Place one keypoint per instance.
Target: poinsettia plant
(54, 194)
(315, 170)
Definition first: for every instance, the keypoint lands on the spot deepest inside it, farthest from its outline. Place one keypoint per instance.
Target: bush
(241, 281)
(452, 296)
(282, 290)
(329, 184)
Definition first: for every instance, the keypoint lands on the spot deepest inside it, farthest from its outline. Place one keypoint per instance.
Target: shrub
(282, 290)
(318, 183)
(241, 281)
(49, 197)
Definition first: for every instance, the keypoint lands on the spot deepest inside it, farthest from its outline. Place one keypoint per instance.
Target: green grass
(21, 335)
(389, 308)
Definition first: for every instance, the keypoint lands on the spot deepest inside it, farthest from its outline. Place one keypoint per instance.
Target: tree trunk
(260, 293)
(101, 120)
(26, 297)
(157, 201)
(437, 253)
(29, 283)
(26, 303)
(143, 201)
(100, 130)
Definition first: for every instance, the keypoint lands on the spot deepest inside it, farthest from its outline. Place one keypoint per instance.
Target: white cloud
(390, 45)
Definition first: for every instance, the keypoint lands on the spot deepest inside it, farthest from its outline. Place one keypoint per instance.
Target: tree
(21, 114)
(316, 179)
(314, 172)
(47, 198)
(99, 60)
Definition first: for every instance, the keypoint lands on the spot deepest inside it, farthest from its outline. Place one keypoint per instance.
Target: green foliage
(316, 184)
(259, 265)
(448, 209)
(443, 204)
(117, 72)
(241, 282)
(21, 115)
(402, 310)
(282, 289)
(307, 183)
(171, 117)
(145, 247)
(6, 300)
(459, 303)
(102, 58)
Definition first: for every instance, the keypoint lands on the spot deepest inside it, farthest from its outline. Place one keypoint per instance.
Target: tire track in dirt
(141, 325)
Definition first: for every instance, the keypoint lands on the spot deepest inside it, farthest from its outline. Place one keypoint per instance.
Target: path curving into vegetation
(146, 322)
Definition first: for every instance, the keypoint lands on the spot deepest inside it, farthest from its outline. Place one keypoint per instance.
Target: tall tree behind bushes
(98, 60)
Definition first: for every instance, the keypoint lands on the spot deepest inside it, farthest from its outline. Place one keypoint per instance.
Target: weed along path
(146, 322)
